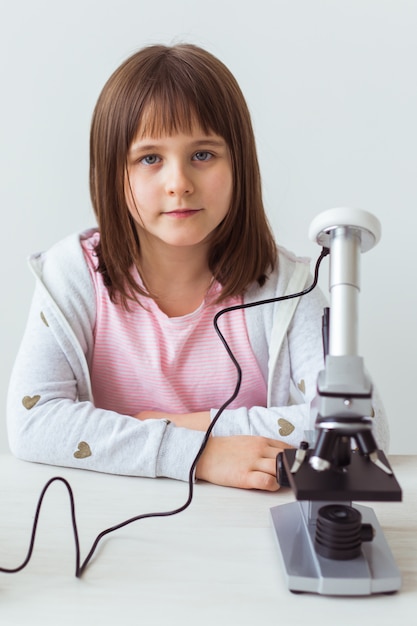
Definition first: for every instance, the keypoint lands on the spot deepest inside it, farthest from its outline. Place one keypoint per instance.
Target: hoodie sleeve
(51, 414)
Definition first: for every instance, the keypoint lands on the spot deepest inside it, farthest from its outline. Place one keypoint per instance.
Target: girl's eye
(203, 155)
(150, 159)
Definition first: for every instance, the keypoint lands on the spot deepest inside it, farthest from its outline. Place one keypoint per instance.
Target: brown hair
(163, 90)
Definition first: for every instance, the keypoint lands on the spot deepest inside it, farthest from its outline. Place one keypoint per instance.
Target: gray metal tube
(345, 244)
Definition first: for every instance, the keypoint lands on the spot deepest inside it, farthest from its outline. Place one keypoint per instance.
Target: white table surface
(216, 563)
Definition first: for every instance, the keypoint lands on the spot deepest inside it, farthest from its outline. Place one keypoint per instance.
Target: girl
(120, 369)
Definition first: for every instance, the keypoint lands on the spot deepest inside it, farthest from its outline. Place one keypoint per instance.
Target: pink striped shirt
(145, 360)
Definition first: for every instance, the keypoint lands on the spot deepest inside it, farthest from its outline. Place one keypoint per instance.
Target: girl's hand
(244, 461)
(193, 421)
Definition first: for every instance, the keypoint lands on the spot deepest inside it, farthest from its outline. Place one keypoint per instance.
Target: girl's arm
(48, 422)
(196, 421)
(248, 462)
(51, 420)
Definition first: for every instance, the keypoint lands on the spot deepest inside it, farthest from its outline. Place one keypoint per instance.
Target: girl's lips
(182, 212)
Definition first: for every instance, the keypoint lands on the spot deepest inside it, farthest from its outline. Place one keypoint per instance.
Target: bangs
(177, 102)
(166, 117)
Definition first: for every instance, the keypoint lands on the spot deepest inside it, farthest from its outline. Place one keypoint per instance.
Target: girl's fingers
(263, 480)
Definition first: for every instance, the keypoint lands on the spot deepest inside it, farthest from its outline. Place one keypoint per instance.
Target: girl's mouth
(182, 213)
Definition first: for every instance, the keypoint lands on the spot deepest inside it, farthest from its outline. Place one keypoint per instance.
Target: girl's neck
(177, 278)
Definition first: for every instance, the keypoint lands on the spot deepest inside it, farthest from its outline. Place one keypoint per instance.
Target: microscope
(327, 545)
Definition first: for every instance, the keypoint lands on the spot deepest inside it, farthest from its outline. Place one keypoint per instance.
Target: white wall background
(332, 88)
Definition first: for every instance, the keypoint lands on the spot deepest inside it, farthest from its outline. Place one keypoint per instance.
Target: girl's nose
(179, 182)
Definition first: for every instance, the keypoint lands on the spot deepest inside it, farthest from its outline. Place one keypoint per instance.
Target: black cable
(35, 525)
(80, 568)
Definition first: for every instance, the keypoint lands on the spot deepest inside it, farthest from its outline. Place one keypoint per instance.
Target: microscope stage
(360, 480)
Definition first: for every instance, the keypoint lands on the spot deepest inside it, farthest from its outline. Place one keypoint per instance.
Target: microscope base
(374, 571)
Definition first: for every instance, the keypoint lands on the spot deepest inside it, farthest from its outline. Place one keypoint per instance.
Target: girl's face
(179, 187)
